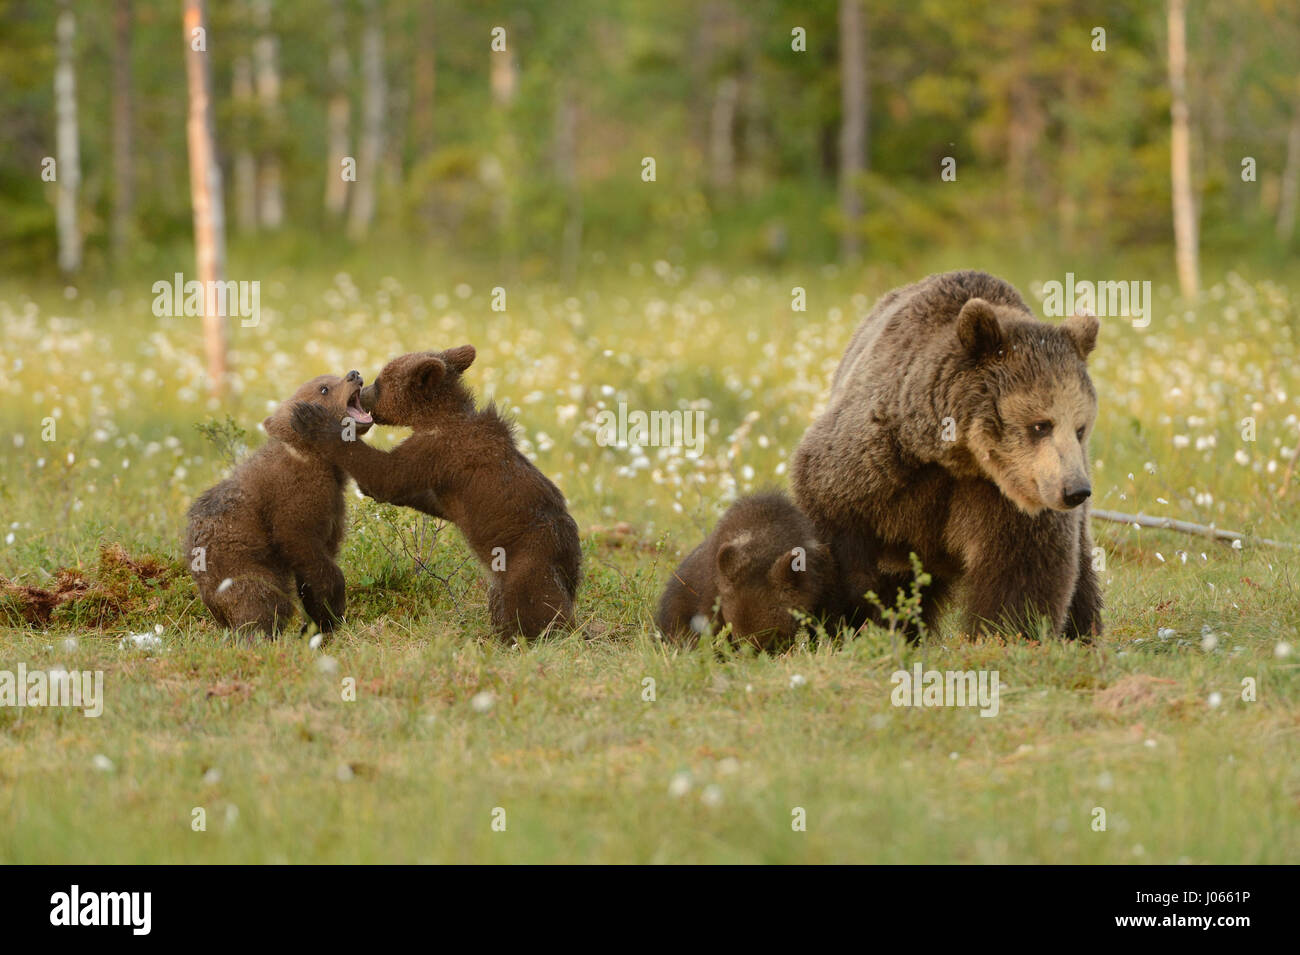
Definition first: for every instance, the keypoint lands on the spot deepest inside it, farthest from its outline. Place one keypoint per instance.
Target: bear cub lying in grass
(276, 523)
(762, 561)
(461, 464)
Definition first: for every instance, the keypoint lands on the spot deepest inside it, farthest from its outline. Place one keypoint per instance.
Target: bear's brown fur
(762, 561)
(461, 464)
(276, 523)
(957, 430)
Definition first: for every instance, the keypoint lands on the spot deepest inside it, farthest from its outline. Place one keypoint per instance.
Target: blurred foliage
(1058, 146)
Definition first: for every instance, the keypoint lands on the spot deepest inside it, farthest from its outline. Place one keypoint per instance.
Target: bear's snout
(1073, 497)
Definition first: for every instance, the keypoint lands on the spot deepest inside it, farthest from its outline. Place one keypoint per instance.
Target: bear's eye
(324, 389)
(1040, 428)
(1079, 434)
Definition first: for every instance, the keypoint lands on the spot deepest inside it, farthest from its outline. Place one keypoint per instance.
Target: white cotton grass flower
(212, 776)
(797, 680)
(1282, 650)
(69, 644)
(1209, 641)
(1215, 700)
(142, 641)
(317, 639)
(344, 773)
(483, 701)
(225, 585)
(327, 664)
(679, 785)
(102, 763)
(712, 796)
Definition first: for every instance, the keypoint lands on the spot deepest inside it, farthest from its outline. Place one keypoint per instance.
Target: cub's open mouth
(355, 411)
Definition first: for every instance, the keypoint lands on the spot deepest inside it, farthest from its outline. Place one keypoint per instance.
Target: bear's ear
(1082, 328)
(728, 561)
(978, 329)
(277, 426)
(427, 372)
(782, 570)
(460, 358)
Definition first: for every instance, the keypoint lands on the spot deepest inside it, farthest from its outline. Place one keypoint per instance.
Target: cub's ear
(460, 358)
(1082, 329)
(783, 569)
(427, 372)
(277, 426)
(728, 561)
(978, 329)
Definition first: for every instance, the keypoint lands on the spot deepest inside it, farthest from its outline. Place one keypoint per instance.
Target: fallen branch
(1187, 527)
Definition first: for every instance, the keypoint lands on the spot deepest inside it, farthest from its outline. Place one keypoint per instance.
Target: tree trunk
(245, 162)
(365, 193)
(205, 196)
(425, 83)
(67, 149)
(270, 193)
(853, 123)
(1185, 240)
(339, 115)
(566, 171)
(722, 134)
(1286, 207)
(123, 171)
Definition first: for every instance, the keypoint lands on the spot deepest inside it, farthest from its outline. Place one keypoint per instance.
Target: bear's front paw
(316, 424)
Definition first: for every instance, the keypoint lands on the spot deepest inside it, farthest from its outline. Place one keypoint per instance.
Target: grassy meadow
(448, 726)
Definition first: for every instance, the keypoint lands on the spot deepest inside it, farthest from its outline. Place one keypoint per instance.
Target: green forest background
(1061, 150)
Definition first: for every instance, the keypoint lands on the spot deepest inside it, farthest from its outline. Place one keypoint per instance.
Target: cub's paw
(318, 425)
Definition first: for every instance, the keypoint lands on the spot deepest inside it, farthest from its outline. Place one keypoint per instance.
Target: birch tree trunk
(853, 124)
(67, 149)
(722, 133)
(245, 162)
(123, 167)
(566, 171)
(205, 194)
(339, 115)
(425, 82)
(365, 189)
(1286, 207)
(270, 193)
(1185, 240)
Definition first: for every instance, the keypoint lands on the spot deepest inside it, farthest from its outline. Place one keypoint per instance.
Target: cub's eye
(1079, 434)
(1040, 428)
(324, 389)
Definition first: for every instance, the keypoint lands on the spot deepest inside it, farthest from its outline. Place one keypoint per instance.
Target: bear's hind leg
(323, 596)
(254, 603)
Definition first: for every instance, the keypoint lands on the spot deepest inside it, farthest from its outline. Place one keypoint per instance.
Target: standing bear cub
(276, 523)
(461, 464)
(957, 429)
(761, 562)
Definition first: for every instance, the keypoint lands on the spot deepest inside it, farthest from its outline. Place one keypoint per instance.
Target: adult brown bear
(957, 429)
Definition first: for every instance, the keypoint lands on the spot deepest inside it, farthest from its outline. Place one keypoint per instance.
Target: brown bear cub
(762, 561)
(957, 429)
(276, 523)
(461, 464)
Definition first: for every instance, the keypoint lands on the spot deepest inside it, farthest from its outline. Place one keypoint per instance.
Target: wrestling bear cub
(461, 464)
(761, 562)
(274, 526)
(957, 429)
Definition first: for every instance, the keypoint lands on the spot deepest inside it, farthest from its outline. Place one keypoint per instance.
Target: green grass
(586, 769)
